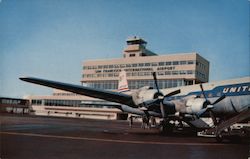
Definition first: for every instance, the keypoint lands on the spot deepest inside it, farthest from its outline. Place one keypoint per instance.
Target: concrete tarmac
(33, 137)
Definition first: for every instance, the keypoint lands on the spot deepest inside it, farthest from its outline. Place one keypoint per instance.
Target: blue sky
(51, 38)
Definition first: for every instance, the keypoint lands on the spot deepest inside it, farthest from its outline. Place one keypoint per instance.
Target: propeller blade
(155, 80)
(219, 99)
(202, 90)
(211, 113)
(173, 93)
(162, 110)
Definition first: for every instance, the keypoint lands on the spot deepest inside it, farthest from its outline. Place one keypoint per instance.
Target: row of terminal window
(69, 103)
(201, 75)
(136, 84)
(169, 63)
(52, 102)
(13, 101)
(129, 74)
(65, 94)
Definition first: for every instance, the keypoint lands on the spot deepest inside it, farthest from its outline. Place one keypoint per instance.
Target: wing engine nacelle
(195, 105)
(143, 95)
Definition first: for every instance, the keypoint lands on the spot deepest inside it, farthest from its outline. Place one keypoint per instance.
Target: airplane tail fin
(123, 83)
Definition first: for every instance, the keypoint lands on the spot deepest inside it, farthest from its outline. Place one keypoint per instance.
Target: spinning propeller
(208, 105)
(160, 98)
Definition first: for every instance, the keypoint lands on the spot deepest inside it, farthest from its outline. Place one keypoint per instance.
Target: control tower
(136, 47)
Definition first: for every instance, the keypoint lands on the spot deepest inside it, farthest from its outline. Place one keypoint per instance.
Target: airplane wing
(87, 91)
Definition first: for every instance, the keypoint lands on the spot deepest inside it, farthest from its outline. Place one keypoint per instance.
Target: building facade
(139, 63)
(14, 105)
(67, 104)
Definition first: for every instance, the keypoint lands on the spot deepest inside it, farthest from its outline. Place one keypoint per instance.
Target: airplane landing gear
(145, 122)
(166, 127)
(131, 121)
(219, 138)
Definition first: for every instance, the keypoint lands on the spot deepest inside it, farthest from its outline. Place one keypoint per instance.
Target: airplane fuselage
(237, 96)
(191, 99)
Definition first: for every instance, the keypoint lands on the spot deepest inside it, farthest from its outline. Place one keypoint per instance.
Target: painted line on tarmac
(110, 140)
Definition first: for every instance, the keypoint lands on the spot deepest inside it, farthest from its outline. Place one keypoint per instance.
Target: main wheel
(166, 127)
(219, 138)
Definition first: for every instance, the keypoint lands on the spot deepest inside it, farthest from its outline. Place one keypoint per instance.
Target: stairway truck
(239, 129)
(236, 132)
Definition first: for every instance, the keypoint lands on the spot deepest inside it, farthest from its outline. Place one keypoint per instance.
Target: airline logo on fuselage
(236, 89)
(243, 88)
(228, 90)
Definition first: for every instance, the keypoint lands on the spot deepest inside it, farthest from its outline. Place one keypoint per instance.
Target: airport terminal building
(138, 62)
